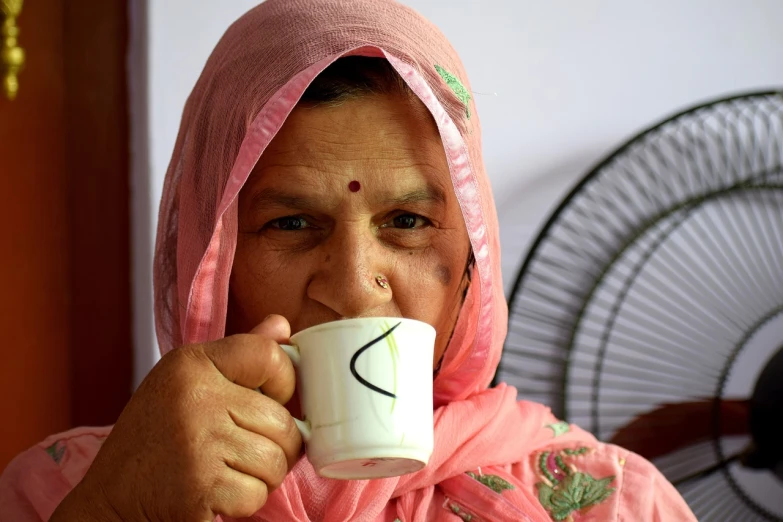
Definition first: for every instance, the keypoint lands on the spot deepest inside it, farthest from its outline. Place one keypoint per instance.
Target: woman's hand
(197, 439)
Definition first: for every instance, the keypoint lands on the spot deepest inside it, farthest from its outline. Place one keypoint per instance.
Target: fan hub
(766, 418)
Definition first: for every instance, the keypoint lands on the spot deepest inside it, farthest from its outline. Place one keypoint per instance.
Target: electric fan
(649, 310)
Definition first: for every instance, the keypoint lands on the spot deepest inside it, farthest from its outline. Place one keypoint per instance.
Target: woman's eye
(409, 221)
(289, 223)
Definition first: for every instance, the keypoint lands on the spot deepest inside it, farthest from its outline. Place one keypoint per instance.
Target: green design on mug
(395, 354)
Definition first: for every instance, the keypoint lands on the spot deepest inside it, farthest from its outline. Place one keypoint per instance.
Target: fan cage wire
(755, 158)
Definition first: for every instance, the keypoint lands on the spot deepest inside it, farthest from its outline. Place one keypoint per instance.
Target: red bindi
(354, 186)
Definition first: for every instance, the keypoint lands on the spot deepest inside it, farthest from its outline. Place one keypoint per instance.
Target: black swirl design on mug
(360, 351)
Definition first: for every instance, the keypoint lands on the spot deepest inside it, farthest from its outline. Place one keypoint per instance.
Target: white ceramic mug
(365, 387)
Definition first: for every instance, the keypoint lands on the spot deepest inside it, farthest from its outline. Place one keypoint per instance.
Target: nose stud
(382, 281)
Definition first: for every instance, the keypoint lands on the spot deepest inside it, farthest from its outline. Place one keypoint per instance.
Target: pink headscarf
(492, 454)
(250, 84)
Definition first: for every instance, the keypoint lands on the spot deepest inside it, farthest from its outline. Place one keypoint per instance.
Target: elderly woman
(328, 166)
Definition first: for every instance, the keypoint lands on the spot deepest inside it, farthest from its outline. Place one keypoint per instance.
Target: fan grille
(654, 273)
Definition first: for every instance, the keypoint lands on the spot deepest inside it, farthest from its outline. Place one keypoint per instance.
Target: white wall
(573, 80)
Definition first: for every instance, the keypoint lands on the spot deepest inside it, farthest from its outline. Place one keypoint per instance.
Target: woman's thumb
(274, 327)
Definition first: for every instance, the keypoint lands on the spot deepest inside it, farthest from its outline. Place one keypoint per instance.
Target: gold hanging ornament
(11, 55)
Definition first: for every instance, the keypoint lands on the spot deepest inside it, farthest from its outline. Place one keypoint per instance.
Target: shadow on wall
(144, 200)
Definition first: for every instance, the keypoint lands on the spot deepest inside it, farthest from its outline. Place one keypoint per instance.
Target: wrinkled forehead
(385, 142)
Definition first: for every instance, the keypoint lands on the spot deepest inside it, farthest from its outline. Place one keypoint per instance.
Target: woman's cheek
(423, 285)
(444, 274)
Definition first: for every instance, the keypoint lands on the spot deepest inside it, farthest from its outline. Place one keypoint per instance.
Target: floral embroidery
(467, 517)
(456, 86)
(493, 482)
(559, 428)
(56, 451)
(565, 490)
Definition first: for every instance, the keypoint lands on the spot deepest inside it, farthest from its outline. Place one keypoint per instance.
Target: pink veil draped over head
(495, 459)
(250, 84)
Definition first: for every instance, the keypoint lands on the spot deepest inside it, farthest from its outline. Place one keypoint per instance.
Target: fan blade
(674, 426)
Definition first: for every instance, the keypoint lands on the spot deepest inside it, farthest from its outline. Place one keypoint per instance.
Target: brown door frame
(66, 355)
(97, 168)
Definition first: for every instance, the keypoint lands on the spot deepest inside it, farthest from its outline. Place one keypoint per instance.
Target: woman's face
(344, 194)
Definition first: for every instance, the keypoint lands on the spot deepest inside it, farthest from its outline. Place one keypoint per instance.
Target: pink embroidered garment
(495, 459)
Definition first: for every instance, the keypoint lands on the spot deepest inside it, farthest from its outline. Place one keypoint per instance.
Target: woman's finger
(237, 494)
(264, 417)
(254, 362)
(257, 456)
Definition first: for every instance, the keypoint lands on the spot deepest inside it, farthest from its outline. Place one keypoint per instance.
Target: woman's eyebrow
(275, 197)
(272, 196)
(429, 194)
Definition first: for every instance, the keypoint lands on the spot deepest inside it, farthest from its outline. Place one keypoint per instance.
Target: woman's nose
(347, 279)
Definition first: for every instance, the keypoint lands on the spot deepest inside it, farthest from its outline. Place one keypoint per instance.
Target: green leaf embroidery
(456, 86)
(493, 482)
(545, 493)
(56, 451)
(574, 493)
(559, 428)
(467, 517)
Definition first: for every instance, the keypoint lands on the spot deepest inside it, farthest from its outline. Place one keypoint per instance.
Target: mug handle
(292, 352)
